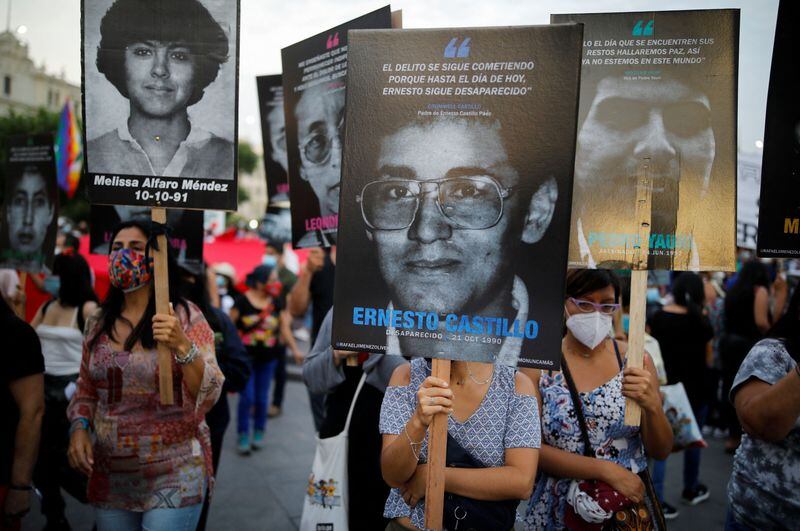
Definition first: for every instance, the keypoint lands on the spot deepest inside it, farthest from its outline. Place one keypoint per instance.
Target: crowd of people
(82, 413)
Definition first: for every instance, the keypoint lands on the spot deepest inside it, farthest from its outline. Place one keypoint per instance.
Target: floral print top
(146, 455)
(764, 489)
(604, 410)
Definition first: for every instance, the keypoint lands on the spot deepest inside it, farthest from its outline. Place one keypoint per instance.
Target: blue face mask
(52, 285)
(653, 295)
(269, 260)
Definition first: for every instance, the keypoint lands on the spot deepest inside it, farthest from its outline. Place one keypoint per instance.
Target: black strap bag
(467, 514)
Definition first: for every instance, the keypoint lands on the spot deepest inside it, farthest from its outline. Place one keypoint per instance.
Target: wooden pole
(159, 215)
(21, 304)
(633, 412)
(638, 305)
(437, 454)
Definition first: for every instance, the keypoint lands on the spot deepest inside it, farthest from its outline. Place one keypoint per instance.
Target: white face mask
(589, 328)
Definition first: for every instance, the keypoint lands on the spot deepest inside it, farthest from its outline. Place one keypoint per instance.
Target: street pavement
(264, 492)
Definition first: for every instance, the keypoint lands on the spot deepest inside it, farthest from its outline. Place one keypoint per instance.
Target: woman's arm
(89, 308)
(288, 336)
(512, 481)
(562, 464)
(769, 412)
(82, 407)
(398, 457)
(641, 385)
(201, 376)
(28, 394)
(761, 309)
(321, 373)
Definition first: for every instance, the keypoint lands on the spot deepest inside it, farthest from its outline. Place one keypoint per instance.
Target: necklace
(479, 382)
(470, 374)
(578, 352)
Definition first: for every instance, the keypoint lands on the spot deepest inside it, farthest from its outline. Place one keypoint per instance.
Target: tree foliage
(248, 159)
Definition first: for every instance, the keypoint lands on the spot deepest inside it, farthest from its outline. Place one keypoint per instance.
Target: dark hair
(180, 21)
(111, 308)
(753, 274)
(76, 280)
(260, 274)
(689, 292)
(196, 291)
(71, 241)
(5, 309)
(583, 281)
(30, 169)
(787, 328)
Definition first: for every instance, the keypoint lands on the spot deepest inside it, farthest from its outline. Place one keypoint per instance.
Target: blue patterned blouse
(604, 410)
(503, 420)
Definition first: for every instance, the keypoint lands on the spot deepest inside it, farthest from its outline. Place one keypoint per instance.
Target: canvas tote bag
(325, 505)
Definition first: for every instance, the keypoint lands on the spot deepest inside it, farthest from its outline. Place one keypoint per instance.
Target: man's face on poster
(30, 212)
(434, 264)
(668, 123)
(159, 76)
(320, 120)
(277, 135)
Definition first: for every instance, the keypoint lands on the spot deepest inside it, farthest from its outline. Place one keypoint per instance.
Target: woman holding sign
(492, 448)
(591, 460)
(150, 465)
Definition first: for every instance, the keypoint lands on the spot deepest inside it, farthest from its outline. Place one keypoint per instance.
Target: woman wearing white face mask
(613, 461)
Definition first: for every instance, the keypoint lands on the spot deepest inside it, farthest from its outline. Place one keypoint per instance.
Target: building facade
(25, 87)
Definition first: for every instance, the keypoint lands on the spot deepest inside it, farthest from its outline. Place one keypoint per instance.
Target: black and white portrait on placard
(30, 205)
(314, 83)
(455, 194)
(273, 134)
(160, 91)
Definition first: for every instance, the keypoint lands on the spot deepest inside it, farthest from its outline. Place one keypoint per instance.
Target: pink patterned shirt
(146, 455)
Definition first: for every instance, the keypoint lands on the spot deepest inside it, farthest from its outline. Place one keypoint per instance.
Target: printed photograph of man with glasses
(314, 81)
(453, 228)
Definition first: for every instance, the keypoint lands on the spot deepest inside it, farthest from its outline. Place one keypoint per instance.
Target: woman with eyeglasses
(320, 124)
(585, 402)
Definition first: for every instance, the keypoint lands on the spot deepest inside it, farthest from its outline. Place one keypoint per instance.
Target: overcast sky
(53, 34)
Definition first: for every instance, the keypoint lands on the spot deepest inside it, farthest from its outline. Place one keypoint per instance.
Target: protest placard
(30, 205)
(314, 80)
(273, 136)
(658, 98)
(160, 101)
(779, 212)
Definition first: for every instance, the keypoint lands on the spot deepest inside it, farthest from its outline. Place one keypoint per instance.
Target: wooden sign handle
(638, 303)
(437, 454)
(638, 306)
(161, 270)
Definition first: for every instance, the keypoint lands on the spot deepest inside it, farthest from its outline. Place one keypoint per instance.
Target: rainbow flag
(69, 150)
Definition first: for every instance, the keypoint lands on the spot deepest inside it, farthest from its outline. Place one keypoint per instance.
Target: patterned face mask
(127, 270)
